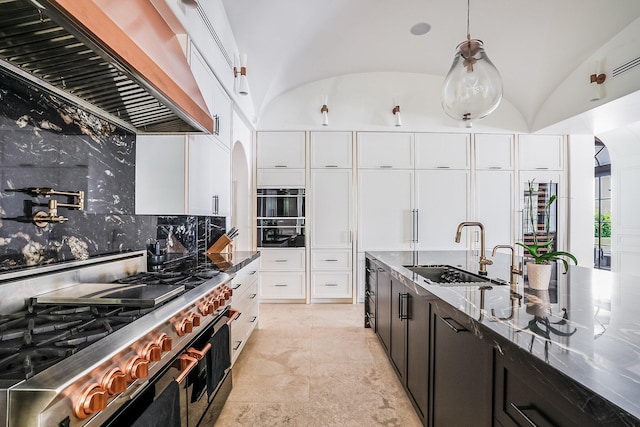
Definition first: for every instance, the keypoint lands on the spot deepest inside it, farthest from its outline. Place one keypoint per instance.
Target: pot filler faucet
(483, 259)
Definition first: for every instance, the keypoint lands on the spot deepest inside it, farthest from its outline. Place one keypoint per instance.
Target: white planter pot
(539, 275)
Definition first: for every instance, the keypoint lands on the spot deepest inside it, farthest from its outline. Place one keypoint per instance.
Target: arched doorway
(240, 196)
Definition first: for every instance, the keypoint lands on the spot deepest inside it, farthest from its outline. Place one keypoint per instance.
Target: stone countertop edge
(602, 355)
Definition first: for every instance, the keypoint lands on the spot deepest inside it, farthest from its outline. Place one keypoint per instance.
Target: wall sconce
(597, 79)
(241, 75)
(325, 112)
(396, 113)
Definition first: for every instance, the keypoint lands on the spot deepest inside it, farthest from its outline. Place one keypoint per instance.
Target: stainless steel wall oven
(281, 217)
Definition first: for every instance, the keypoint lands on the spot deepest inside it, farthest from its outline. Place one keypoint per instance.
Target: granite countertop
(586, 326)
(228, 262)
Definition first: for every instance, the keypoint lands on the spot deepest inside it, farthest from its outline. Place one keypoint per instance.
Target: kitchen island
(570, 355)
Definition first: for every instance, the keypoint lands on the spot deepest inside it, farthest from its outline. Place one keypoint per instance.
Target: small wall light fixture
(241, 75)
(396, 113)
(325, 111)
(597, 79)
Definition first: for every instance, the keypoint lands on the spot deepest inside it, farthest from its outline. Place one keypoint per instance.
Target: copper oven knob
(205, 308)
(222, 300)
(136, 368)
(185, 326)
(114, 381)
(152, 352)
(195, 319)
(165, 342)
(92, 399)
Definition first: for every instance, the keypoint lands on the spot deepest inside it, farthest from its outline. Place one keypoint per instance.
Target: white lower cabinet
(245, 300)
(331, 284)
(282, 274)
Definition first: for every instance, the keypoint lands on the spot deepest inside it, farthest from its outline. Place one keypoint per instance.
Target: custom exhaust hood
(117, 59)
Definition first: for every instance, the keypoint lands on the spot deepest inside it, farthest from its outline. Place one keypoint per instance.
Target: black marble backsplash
(47, 142)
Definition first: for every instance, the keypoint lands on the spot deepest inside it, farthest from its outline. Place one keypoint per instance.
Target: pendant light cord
(468, 13)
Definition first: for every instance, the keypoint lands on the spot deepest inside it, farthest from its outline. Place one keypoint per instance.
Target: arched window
(602, 214)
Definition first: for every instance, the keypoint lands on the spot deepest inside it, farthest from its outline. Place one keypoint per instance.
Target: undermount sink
(448, 275)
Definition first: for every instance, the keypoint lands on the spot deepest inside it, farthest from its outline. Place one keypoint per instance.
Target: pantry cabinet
(442, 151)
(281, 159)
(385, 150)
(331, 150)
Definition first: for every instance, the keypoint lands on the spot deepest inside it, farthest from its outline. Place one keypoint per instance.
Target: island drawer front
(282, 260)
(523, 398)
(331, 285)
(331, 260)
(282, 285)
(244, 279)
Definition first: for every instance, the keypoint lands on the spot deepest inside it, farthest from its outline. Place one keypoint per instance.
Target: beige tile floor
(315, 365)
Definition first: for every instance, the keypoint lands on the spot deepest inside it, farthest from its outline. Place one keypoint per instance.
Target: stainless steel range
(96, 343)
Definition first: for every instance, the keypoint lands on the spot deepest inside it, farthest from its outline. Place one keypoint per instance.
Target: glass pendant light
(473, 87)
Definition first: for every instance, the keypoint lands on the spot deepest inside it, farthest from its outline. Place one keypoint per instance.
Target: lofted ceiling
(534, 44)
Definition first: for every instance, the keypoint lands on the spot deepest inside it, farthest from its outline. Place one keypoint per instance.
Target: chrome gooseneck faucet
(483, 259)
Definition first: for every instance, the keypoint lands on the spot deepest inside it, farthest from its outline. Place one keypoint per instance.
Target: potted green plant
(539, 271)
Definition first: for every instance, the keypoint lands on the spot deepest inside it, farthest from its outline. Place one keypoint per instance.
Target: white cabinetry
(541, 152)
(441, 203)
(245, 300)
(494, 152)
(282, 274)
(281, 159)
(174, 175)
(442, 151)
(385, 150)
(331, 210)
(331, 150)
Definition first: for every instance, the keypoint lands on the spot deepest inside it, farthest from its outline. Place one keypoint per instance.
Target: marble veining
(586, 327)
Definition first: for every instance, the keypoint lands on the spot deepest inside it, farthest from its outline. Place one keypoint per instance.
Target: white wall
(624, 149)
(241, 183)
(581, 196)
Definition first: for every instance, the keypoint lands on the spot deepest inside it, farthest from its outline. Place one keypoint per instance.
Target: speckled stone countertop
(587, 326)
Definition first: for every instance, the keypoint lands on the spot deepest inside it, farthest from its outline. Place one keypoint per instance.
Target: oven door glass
(277, 232)
(281, 203)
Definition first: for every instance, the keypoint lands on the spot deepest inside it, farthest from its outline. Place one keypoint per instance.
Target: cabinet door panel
(494, 202)
(281, 150)
(383, 313)
(331, 208)
(331, 150)
(398, 330)
(384, 210)
(418, 352)
(494, 151)
(442, 200)
(385, 150)
(442, 151)
(221, 180)
(540, 152)
(200, 175)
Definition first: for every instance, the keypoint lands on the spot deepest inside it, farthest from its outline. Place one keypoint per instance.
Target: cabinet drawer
(281, 178)
(282, 260)
(283, 285)
(244, 279)
(331, 285)
(331, 260)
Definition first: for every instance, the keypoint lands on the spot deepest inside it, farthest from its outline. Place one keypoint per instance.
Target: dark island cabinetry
(417, 350)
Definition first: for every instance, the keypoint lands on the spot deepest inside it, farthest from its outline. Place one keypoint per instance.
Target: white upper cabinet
(379, 150)
(281, 150)
(223, 112)
(494, 152)
(331, 150)
(495, 195)
(442, 150)
(541, 152)
(181, 175)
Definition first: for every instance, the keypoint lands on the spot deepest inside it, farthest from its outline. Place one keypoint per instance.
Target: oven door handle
(233, 315)
(187, 363)
(198, 354)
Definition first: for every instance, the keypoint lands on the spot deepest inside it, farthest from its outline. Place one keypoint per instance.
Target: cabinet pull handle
(331, 260)
(370, 270)
(280, 260)
(253, 319)
(281, 285)
(404, 306)
(385, 166)
(495, 167)
(447, 321)
(237, 346)
(237, 286)
(521, 410)
(330, 166)
(417, 229)
(331, 284)
(253, 296)
(280, 166)
(216, 204)
(542, 168)
(443, 167)
(253, 272)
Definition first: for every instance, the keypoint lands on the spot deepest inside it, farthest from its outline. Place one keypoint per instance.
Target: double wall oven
(111, 344)
(281, 217)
